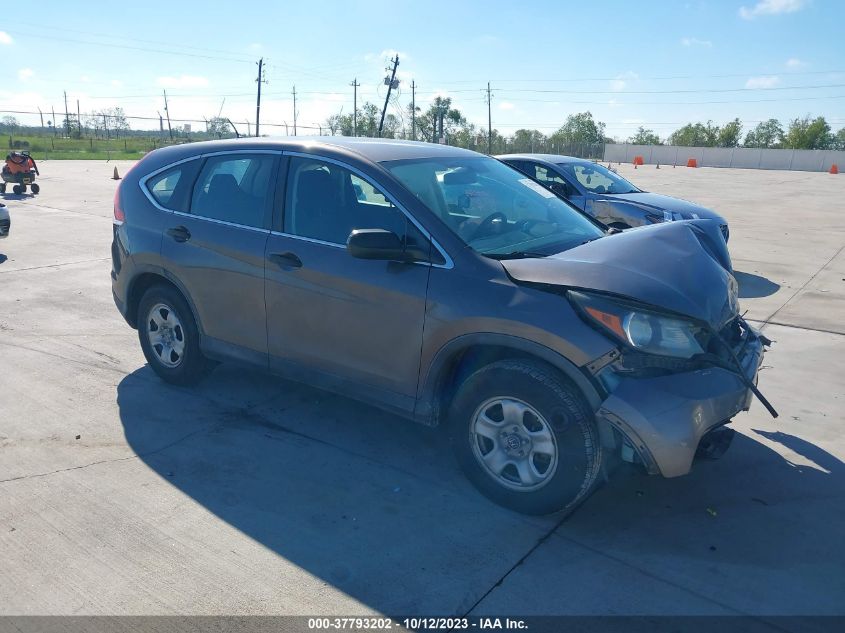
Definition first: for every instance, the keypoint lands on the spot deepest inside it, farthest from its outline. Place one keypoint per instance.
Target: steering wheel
(487, 224)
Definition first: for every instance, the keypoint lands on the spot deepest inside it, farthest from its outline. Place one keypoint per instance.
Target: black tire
(579, 453)
(187, 367)
(3, 187)
(17, 190)
(35, 189)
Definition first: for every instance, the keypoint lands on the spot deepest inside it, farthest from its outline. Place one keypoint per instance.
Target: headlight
(669, 216)
(640, 328)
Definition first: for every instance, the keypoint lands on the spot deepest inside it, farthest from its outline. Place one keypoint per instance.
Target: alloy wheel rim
(166, 335)
(514, 444)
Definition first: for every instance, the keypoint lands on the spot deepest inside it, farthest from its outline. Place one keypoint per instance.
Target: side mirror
(561, 189)
(376, 244)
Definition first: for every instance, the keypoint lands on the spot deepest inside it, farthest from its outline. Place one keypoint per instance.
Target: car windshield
(597, 179)
(493, 208)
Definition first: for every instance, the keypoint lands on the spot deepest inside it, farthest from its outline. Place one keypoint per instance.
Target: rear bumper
(666, 417)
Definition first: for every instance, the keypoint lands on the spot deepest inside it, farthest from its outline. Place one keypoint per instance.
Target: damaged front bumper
(665, 417)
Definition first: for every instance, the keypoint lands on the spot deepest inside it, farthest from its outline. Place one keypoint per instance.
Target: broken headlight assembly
(640, 328)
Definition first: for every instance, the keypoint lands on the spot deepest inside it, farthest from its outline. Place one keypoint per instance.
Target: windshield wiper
(514, 255)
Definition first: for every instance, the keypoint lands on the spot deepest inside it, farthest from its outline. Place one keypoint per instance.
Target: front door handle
(179, 233)
(288, 260)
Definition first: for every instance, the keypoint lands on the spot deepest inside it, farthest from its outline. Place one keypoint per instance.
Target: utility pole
(54, 119)
(67, 117)
(41, 114)
(390, 85)
(413, 110)
(355, 85)
(489, 122)
(78, 118)
(260, 81)
(167, 112)
(294, 110)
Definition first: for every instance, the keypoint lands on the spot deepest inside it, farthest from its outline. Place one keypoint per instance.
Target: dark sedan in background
(605, 195)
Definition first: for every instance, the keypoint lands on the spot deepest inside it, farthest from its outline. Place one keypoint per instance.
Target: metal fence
(739, 157)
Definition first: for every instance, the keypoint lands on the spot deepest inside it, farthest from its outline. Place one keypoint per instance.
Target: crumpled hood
(679, 266)
(667, 203)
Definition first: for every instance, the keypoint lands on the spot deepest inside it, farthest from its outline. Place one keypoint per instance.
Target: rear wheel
(169, 336)
(35, 189)
(2, 187)
(17, 190)
(525, 437)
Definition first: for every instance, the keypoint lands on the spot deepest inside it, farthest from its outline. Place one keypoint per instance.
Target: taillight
(119, 215)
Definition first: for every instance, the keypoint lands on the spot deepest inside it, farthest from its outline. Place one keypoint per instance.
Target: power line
(145, 49)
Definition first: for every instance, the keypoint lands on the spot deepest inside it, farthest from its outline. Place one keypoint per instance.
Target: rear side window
(171, 188)
(235, 188)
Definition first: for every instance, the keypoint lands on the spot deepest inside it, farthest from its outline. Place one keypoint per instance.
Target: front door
(351, 321)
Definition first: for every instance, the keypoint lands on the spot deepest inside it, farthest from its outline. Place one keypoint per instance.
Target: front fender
(426, 410)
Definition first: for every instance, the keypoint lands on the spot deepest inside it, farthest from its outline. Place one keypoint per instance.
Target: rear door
(344, 320)
(216, 249)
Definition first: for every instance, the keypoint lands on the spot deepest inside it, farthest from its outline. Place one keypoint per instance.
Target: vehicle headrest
(222, 185)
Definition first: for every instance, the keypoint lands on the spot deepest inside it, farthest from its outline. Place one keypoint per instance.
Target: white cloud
(506, 105)
(694, 41)
(794, 62)
(386, 55)
(5, 38)
(762, 82)
(25, 74)
(117, 83)
(182, 81)
(622, 80)
(772, 7)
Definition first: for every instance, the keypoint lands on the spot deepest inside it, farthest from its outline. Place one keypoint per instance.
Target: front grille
(5, 225)
(725, 231)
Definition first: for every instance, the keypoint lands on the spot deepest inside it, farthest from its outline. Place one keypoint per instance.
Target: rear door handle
(179, 233)
(288, 260)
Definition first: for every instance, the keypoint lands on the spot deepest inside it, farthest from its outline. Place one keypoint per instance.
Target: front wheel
(525, 437)
(17, 190)
(169, 336)
(35, 189)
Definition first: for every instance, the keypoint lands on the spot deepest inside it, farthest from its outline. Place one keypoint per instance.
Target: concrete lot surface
(120, 494)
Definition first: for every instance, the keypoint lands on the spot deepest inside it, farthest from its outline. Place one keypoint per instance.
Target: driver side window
(548, 177)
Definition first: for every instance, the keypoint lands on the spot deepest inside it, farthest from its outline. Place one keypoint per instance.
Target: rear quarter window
(172, 187)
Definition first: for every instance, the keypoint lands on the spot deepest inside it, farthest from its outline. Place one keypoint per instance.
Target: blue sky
(651, 63)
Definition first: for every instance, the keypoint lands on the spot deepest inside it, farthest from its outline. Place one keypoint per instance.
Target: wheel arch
(459, 358)
(146, 280)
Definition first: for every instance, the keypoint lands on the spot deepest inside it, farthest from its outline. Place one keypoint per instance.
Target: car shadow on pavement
(376, 506)
(753, 286)
(3, 258)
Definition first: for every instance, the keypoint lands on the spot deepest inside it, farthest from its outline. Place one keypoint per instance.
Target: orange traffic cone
(834, 169)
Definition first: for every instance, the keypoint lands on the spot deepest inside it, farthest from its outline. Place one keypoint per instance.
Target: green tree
(528, 141)
(766, 134)
(428, 121)
(839, 139)
(9, 124)
(645, 137)
(696, 135)
(579, 129)
(730, 134)
(805, 133)
(219, 127)
(368, 120)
